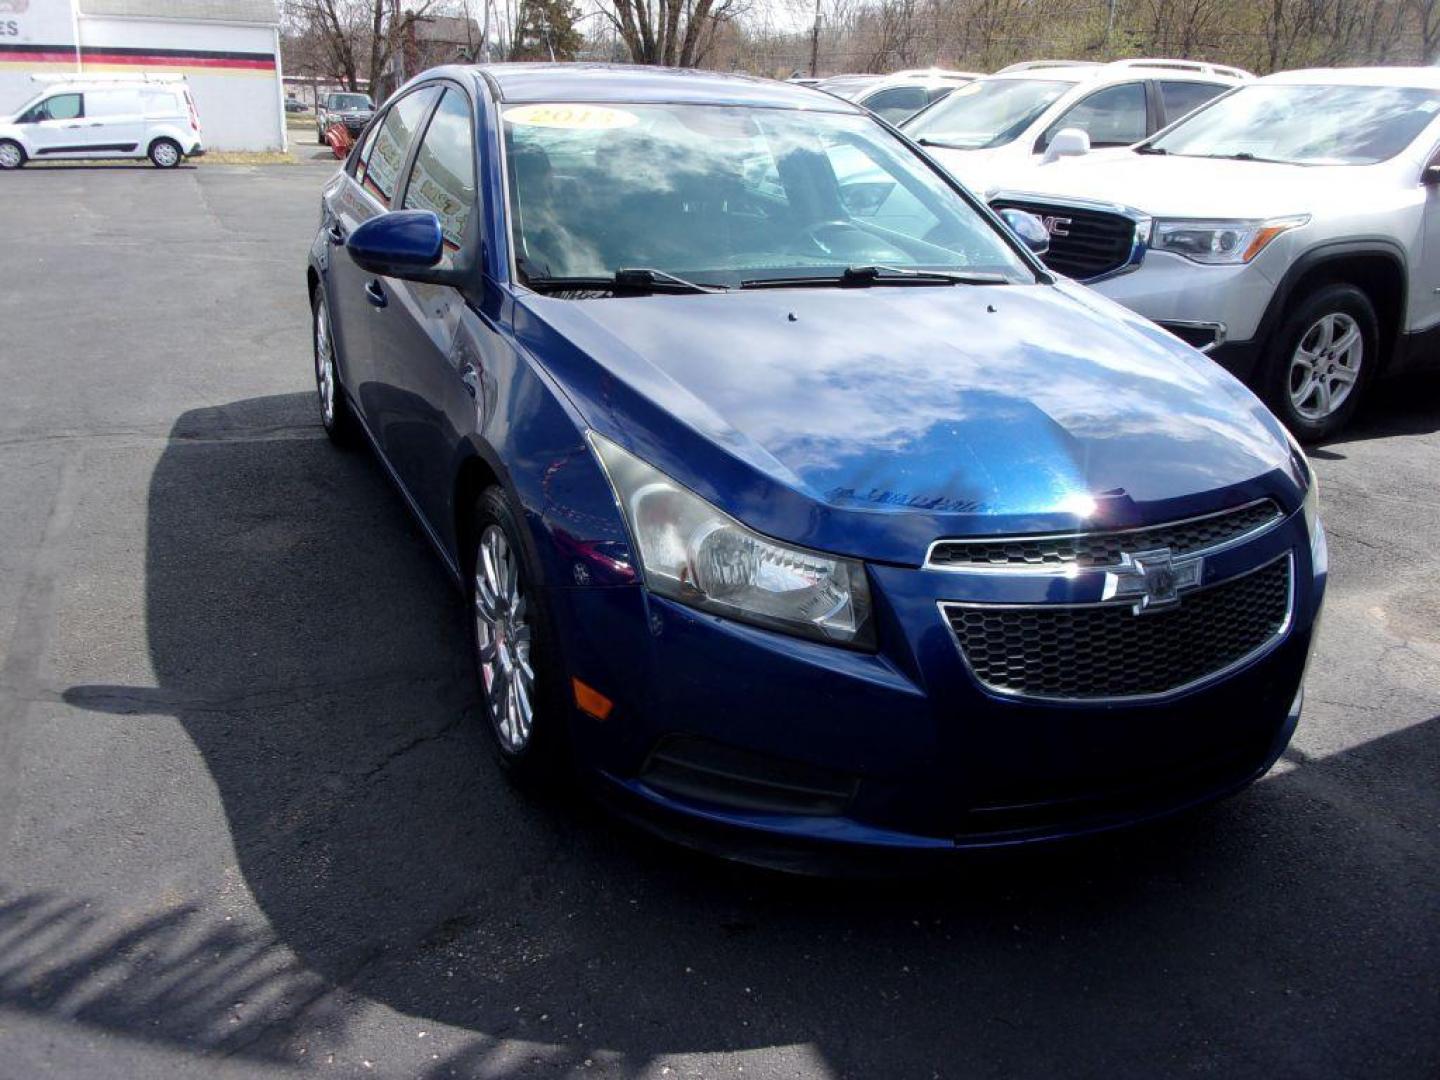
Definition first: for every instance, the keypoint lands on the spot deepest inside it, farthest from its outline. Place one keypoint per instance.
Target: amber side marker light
(590, 700)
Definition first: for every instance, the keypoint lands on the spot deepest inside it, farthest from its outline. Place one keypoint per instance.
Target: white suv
(994, 130)
(149, 116)
(1291, 229)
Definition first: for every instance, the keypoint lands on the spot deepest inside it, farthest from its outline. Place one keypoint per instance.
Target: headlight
(1220, 242)
(692, 552)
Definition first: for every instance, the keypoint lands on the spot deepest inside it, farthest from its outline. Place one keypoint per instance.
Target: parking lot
(248, 825)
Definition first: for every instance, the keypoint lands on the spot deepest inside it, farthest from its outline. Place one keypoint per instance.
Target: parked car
(293, 105)
(1290, 228)
(995, 130)
(352, 110)
(143, 117)
(901, 95)
(777, 527)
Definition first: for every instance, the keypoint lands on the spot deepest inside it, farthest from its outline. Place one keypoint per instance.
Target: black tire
(319, 136)
(1284, 380)
(165, 154)
(338, 420)
(543, 759)
(15, 153)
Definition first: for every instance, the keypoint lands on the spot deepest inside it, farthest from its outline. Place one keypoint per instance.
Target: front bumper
(1169, 289)
(789, 747)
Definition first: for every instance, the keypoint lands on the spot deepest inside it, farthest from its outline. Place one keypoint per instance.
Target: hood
(870, 421)
(1193, 187)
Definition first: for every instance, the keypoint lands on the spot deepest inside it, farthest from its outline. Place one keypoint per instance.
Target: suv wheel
(165, 153)
(512, 644)
(340, 424)
(12, 154)
(1321, 361)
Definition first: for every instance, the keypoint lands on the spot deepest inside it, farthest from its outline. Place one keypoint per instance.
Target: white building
(229, 50)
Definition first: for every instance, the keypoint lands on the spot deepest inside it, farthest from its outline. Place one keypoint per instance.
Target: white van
(146, 116)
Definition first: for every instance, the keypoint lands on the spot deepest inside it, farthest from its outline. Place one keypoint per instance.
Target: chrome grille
(1106, 651)
(1094, 242)
(1105, 549)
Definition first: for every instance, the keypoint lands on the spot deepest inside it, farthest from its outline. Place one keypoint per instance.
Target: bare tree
(355, 41)
(670, 32)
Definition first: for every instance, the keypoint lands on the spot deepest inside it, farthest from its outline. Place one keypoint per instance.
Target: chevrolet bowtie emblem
(1153, 579)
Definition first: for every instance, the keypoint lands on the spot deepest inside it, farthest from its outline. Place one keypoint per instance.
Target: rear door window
(392, 143)
(1114, 116)
(1181, 98)
(443, 176)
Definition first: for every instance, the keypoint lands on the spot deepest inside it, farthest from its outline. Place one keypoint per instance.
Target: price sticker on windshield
(571, 117)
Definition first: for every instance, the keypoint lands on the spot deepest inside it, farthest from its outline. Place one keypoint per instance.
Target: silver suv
(1290, 228)
(351, 109)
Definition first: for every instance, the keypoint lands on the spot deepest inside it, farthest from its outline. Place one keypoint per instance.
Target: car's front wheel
(12, 154)
(1321, 360)
(335, 414)
(512, 643)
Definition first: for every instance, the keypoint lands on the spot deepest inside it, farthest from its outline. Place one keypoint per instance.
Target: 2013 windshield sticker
(572, 117)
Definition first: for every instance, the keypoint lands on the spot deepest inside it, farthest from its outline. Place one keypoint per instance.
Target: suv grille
(1107, 651)
(1106, 549)
(1095, 242)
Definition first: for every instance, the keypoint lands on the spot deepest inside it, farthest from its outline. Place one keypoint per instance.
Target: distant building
(228, 50)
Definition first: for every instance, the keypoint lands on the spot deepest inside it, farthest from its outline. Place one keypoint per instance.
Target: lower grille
(1093, 651)
(1084, 244)
(690, 767)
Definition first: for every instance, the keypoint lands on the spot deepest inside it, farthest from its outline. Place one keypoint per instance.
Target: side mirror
(1430, 175)
(1067, 142)
(401, 244)
(1029, 228)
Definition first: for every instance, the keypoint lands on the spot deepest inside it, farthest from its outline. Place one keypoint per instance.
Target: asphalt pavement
(249, 825)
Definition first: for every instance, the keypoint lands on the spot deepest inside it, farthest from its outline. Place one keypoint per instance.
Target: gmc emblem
(1056, 226)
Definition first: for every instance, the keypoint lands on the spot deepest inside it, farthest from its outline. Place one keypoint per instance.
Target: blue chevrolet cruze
(800, 510)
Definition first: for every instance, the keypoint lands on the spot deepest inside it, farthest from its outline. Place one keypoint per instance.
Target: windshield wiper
(862, 276)
(631, 280)
(942, 145)
(1245, 155)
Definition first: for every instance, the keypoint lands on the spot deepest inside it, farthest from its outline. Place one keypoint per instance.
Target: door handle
(336, 234)
(375, 293)
(97, 123)
(72, 125)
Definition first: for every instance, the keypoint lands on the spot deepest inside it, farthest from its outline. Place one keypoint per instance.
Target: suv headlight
(1220, 242)
(694, 553)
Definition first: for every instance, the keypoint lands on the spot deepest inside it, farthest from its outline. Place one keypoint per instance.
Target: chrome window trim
(1257, 653)
(1074, 570)
(1140, 244)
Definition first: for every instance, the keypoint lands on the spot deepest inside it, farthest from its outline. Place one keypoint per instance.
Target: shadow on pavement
(312, 647)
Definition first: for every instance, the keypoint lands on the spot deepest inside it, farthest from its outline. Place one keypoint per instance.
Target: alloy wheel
(9, 156)
(166, 155)
(324, 364)
(1326, 366)
(502, 640)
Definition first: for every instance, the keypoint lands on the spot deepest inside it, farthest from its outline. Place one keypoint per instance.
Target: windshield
(986, 112)
(722, 195)
(1306, 125)
(349, 101)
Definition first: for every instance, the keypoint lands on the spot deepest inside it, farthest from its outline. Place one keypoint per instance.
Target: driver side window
(1114, 116)
(59, 107)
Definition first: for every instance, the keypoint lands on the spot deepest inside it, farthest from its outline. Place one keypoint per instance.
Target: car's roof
(1427, 78)
(640, 84)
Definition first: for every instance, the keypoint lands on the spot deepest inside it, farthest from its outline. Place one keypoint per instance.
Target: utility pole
(815, 41)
